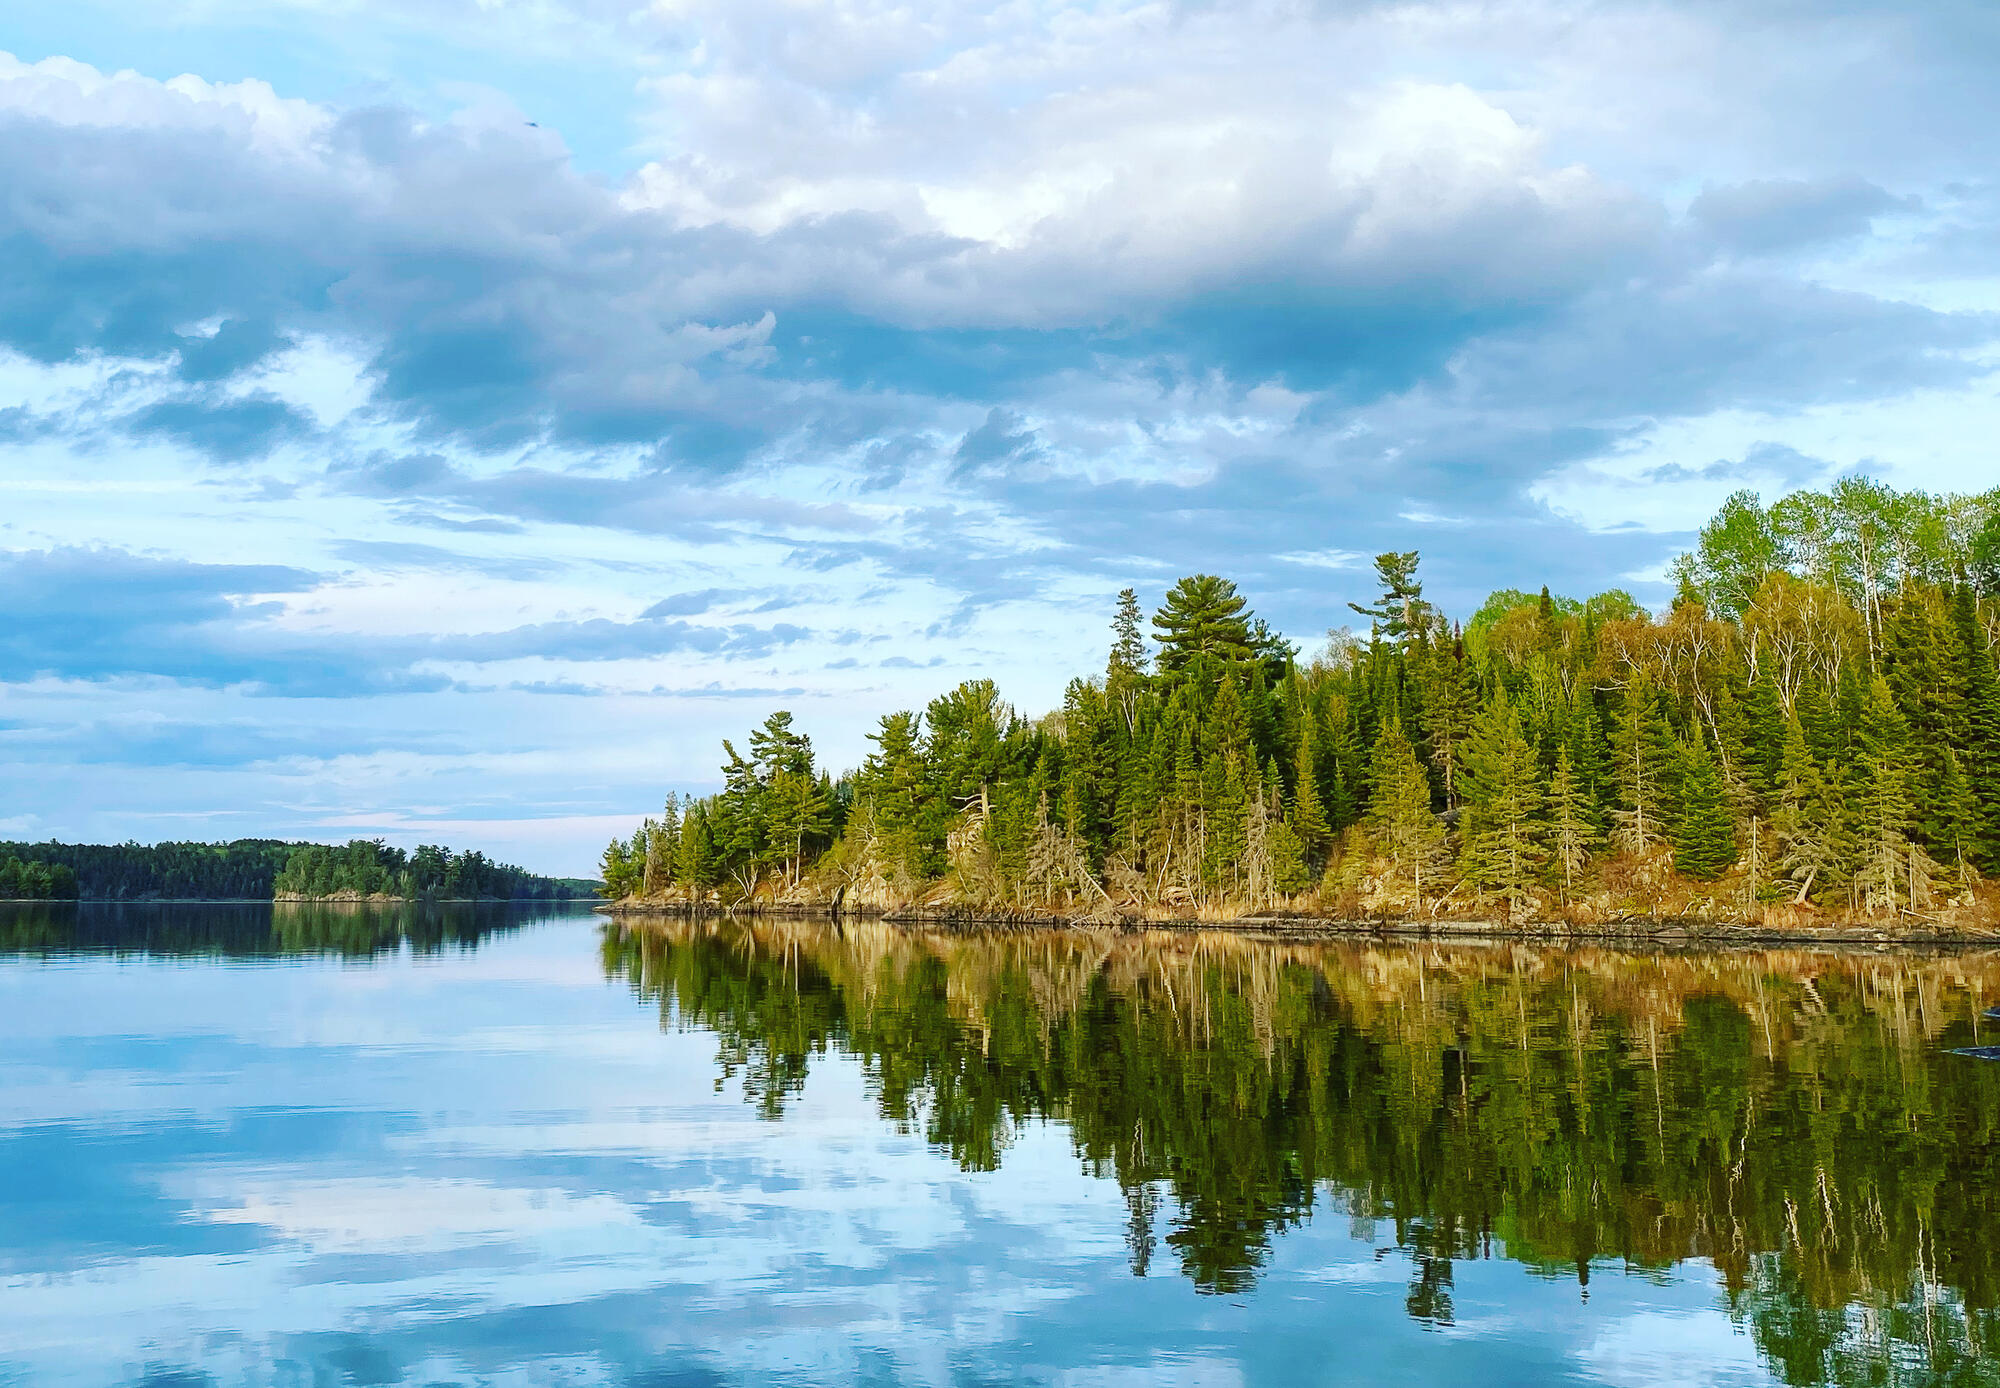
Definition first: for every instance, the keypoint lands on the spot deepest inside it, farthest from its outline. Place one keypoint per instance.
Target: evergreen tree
(1289, 873)
(1955, 815)
(1308, 819)
(1201, 627)
(1764, 717)
(1705, 831)
(1502, 828)
(1645, 760)
(1399, 811)
(1572, 826)
(1452, 703)
(1401, 609)
(1128, 644)
(1809, 818)
(1892, 870)
(1975, 677)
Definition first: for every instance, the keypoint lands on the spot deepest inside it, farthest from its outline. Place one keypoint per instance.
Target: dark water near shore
(481, 1145)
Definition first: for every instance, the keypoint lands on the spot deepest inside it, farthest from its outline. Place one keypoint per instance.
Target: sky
(446, 420)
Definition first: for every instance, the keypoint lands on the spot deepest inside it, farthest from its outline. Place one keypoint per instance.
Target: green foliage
(369, 867)
(1400, 612)
(1704, 830)
(1503, 830)
(35, 881)
(1496, 759)
(1201, 626)
(1400, 813)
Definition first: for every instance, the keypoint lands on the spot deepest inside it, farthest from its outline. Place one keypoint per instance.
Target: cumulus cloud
(107, 614)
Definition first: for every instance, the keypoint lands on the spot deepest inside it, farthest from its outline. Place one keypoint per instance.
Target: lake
(323, 1146)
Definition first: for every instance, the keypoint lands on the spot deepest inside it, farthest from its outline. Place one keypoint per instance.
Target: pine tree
(1809, 818)
(1401, 608)
(1308, 819)
(1399, 812)
(1892, 870)
(1764, 716)
(1572, 827)
(1705, 831)
(1956, 817)
(694, 865)
(1201, 627)
(1227, 824)
(1975, 676)
(1453, 704)
(1502, 848)
(1589, 755)
(1289, 873)
(1645, 761)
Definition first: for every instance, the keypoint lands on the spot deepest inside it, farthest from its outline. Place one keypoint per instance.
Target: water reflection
(253, 930)
(1792, 1118)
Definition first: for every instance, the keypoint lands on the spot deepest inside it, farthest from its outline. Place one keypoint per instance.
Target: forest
(35, 881)
(370, 867)
(1810, 731)
(238, 871)
(259, 869)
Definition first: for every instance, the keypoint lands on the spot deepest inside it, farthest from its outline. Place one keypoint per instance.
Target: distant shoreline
(291, 901)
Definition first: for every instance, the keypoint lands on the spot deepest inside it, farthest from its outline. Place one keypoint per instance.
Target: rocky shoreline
(1636, 930)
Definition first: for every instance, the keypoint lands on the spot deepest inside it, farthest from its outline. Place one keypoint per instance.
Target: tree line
(259, 869)
(35, 881)
(1814, 723)
(240, 870)
(370, 867)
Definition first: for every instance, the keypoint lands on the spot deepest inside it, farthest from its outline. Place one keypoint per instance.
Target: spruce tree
(1956, 817)
(1573, 831)
(1502, 827)
(1308, 818)
(1289, 873)
(1645, 763)
(1764, 717)
(1809, 818)
(1399, 813)
(1228, 825)
(1978, 682)
(1128, 643)
(1891, 870)
(1705, 831)
(1453, 703)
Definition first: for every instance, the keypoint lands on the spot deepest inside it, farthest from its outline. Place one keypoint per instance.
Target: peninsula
(1808, 737)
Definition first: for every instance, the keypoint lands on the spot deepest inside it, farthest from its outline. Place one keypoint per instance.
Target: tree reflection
(1791, 1117)
(254, 930)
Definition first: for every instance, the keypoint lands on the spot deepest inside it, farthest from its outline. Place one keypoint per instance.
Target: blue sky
(446, 420)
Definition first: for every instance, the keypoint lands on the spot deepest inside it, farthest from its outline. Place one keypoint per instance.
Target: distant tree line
(251, 869)
(241, 870)
(1815, 721)
(370, 867)
(35, 881)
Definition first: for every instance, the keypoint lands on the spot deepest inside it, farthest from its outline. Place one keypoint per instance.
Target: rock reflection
(1792, 1117)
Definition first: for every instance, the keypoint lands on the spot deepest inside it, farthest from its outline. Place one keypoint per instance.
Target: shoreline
(289, 901)
(1631, 930)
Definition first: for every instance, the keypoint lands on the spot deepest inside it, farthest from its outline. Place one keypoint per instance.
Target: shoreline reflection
(1791, 1117)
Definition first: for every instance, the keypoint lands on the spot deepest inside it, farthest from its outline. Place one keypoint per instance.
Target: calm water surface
(351, 1147)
